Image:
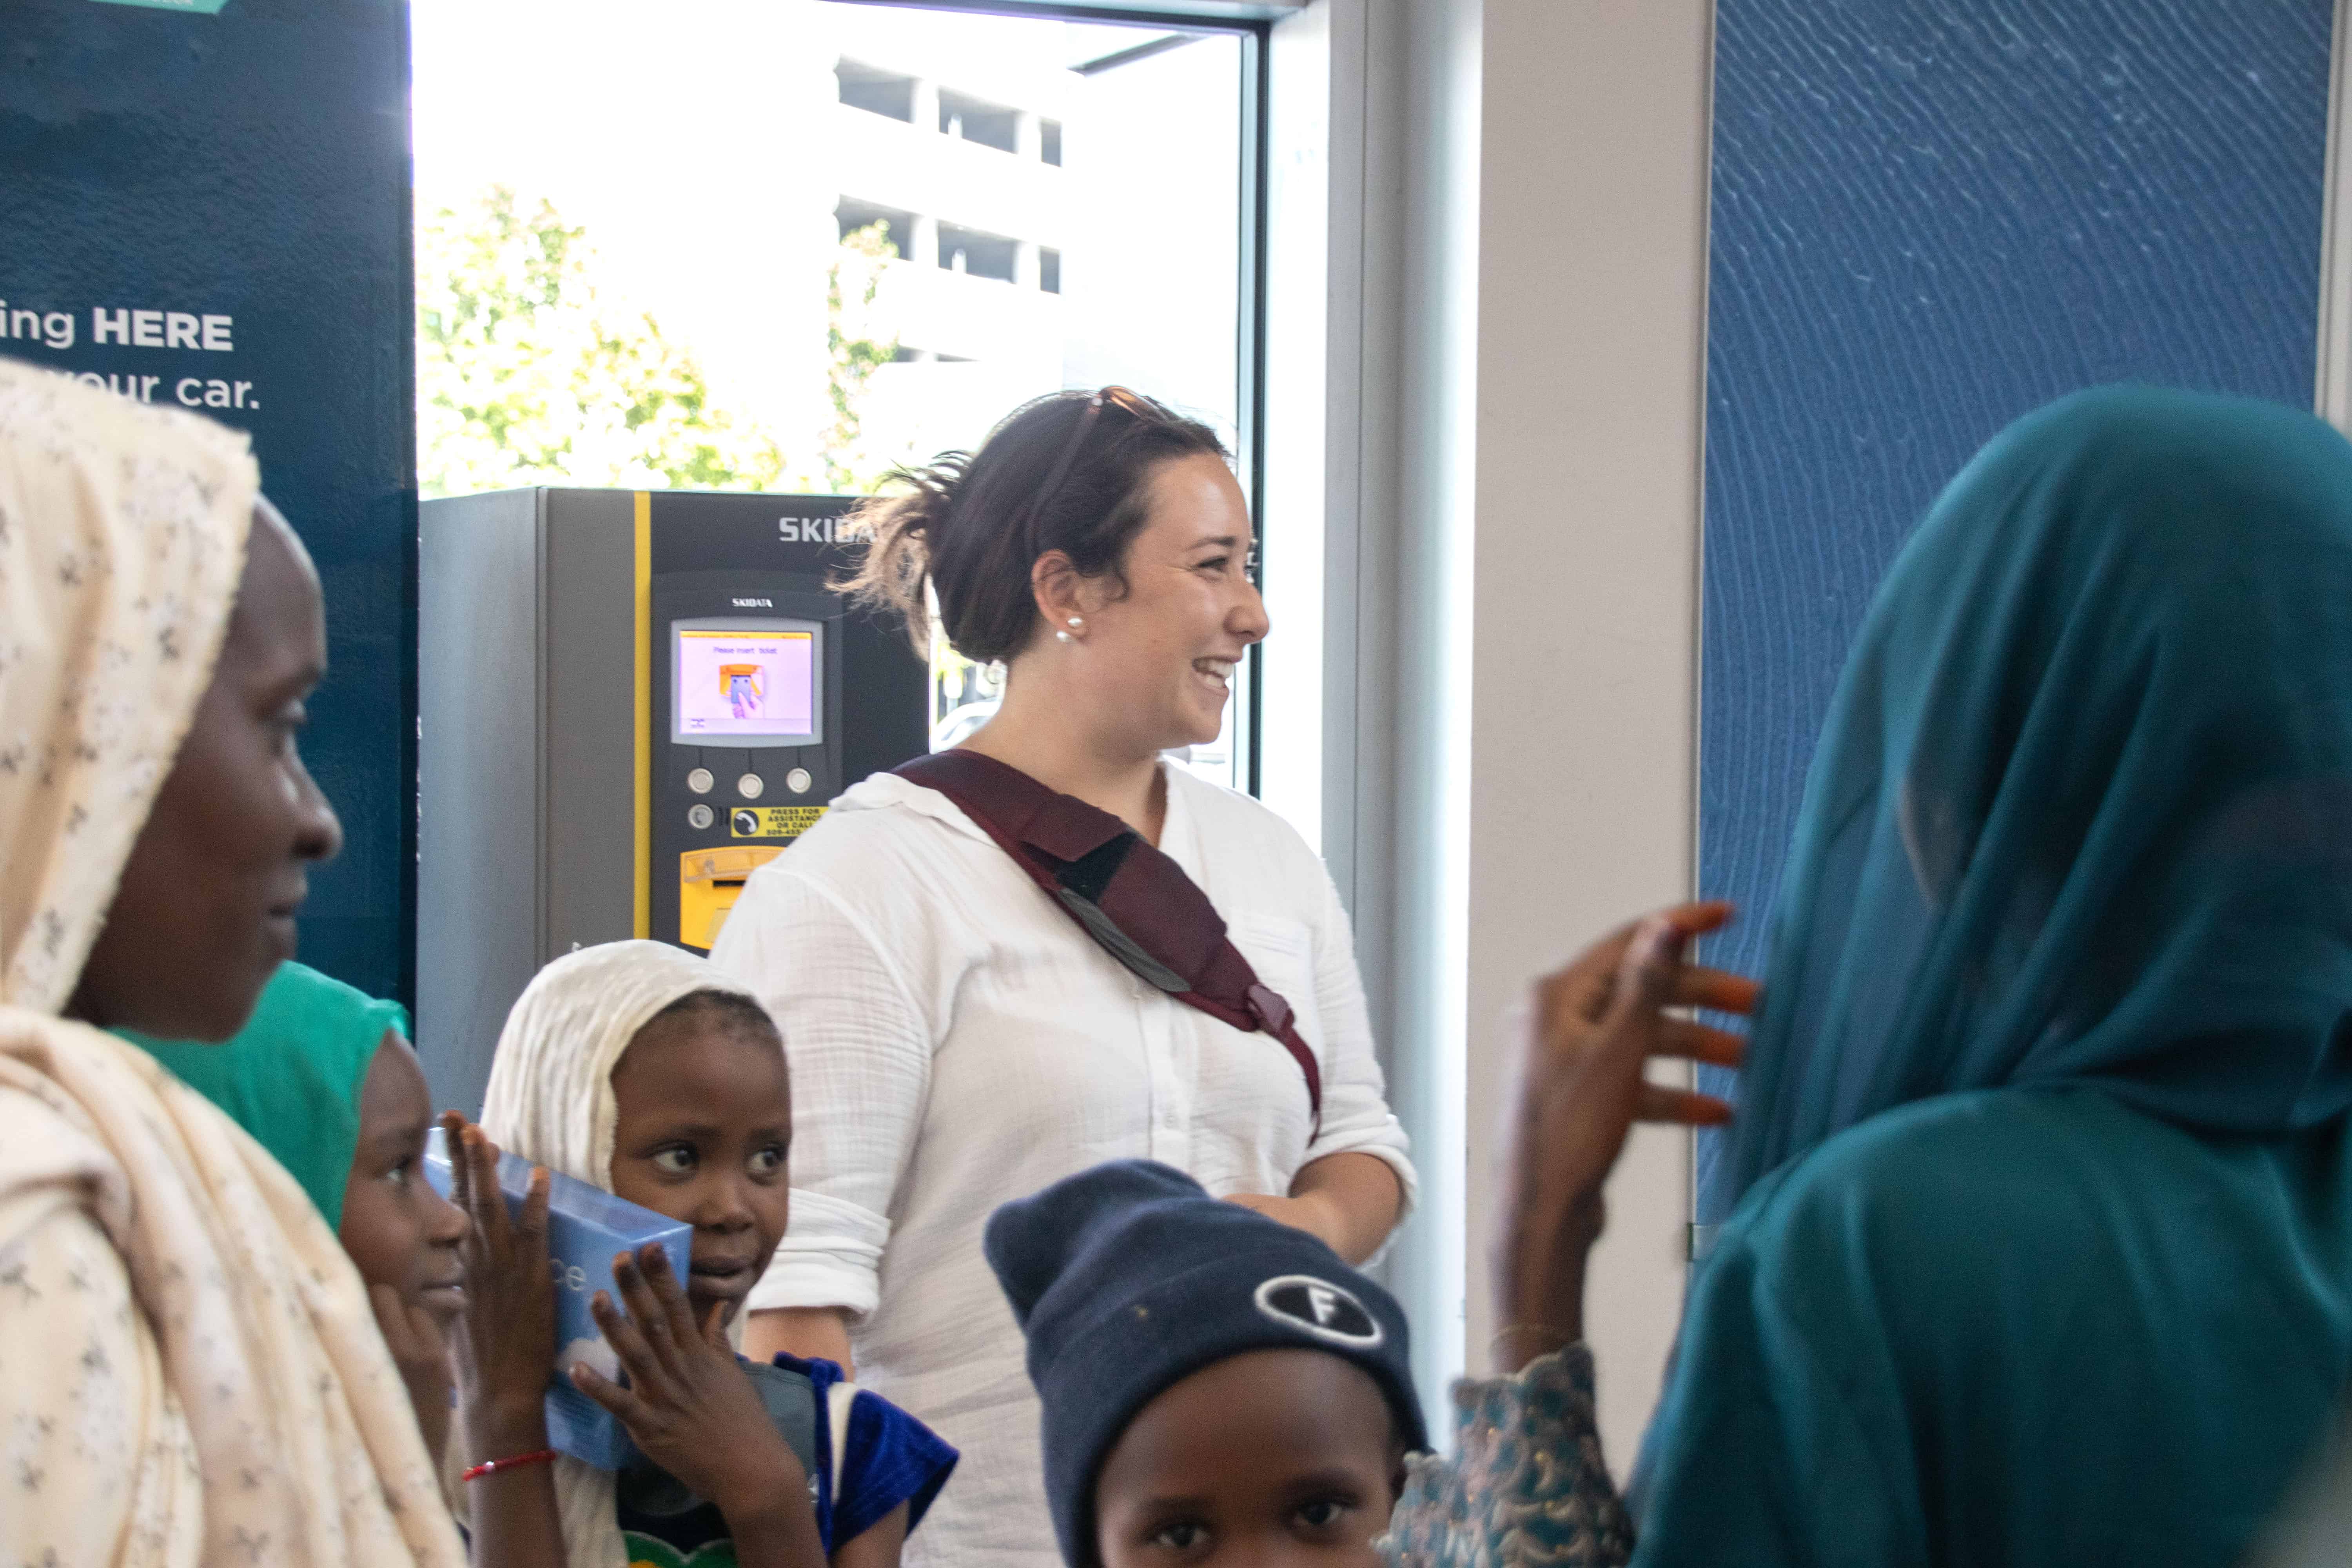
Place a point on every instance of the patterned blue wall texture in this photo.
(1927, 217)
(211, 211)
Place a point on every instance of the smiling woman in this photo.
(961, 1035)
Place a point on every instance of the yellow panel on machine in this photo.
(773, 821)
(708, 883)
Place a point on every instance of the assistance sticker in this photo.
(773, 821)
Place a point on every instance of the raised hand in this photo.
(505, 1341)
(1590, 1030)
(692, 1410)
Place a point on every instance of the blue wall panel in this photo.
(254, 165)
(1926, 219)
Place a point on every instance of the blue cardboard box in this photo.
(585, 1227)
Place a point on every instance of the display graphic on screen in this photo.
(734, 683)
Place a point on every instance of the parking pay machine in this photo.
(627, 702)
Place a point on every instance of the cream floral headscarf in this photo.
(193, 1370)
(104, 649)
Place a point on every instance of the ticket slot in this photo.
(708, 883)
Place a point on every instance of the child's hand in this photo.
(689, 1403)
(422, 1357)
(505, 1341)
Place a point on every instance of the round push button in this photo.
(699, 781)
(751, 786)
(798, 781)
(697, 817)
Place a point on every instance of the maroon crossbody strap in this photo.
(1133, 900)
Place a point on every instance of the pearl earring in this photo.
(1061, 637)
(1077, 620)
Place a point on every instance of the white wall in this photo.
(1515, 242)
(1591, 329)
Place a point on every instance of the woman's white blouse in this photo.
(957, 1041)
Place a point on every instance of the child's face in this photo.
(706, 1119)
(399, 1231)
(1271, 1456)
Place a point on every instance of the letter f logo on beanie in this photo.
(1129, 1277)
(1321, 1308)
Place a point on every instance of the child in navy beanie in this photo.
(1214, 1381)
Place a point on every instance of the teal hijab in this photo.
(2042, 1248)
(292, 1076)
(2081, 810)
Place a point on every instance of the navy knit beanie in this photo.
(1129, 1277)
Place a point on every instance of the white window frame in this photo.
(1488, 271)
(2332, 395)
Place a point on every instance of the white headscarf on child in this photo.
(194, 1368)
(551, 1100)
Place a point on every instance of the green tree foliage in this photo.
(853, 352)
(527, 374)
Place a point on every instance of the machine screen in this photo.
(746, 683)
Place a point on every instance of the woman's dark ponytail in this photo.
(899, 527)
(972, 525)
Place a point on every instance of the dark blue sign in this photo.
(211, 211)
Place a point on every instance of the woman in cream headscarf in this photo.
(193, 1370)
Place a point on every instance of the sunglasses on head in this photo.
(1134, 405)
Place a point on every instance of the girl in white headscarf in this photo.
(637, 1068)
(193, 1370)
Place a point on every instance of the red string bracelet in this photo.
(492, 1467)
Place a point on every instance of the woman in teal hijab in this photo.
(292, 1077)
(2041, 1250)
(2081, 812)
(322, 1076)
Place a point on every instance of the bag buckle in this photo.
(1271, 1013)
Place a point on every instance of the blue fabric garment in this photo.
(889, 1457)
(2082, 809)
(1524, 1483)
